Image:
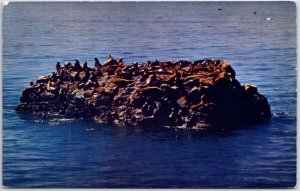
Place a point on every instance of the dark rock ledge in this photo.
(203, 94)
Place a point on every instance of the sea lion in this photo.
(155, 63)
(110, 69)
(83, 75)
(203, 78)
(174, 78)
(98, 73)
(184, 63)
(77, 65)
(198, 69)
(51, 86)
(224, 66)
(62, 91)
(100, 90)
(188, 78)
(31, 83)
(42, 79)
(124, 74)
(154, 80)
(206, 82)
(145, 74)
(110, 61)
(155, 68)
(164, 71)
(119, 70)
(68, 64)
(98, 66)
(135, 65)
(231, 72)
(250, 89)
(120, 62)
(53, 77)
(216, 72)
(88, 85)
(58, 82)
(221, 76)
(84, 66)
(146, 71)
(151, 79)
(121, 82)
(93, 77)
(167, 64)
(126, 68)
(80, 85)
(88, 93)
(199, 62)
(58, 67)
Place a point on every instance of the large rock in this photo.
(203, 94)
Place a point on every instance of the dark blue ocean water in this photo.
(77, 153)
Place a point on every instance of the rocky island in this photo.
(203, 94)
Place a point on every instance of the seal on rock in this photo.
(121, 82)
(98, 66)
(120, 62)
(77, 65)
(68, 64)
(250, 89)
(84, 66)
(58, 67)
(110, 61)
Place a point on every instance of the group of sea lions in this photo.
(184, 94)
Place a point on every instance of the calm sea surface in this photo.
(77, 153)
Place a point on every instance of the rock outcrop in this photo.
(203, 94)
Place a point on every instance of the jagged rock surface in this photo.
(202, 94)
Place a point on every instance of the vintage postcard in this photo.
(149, 94)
